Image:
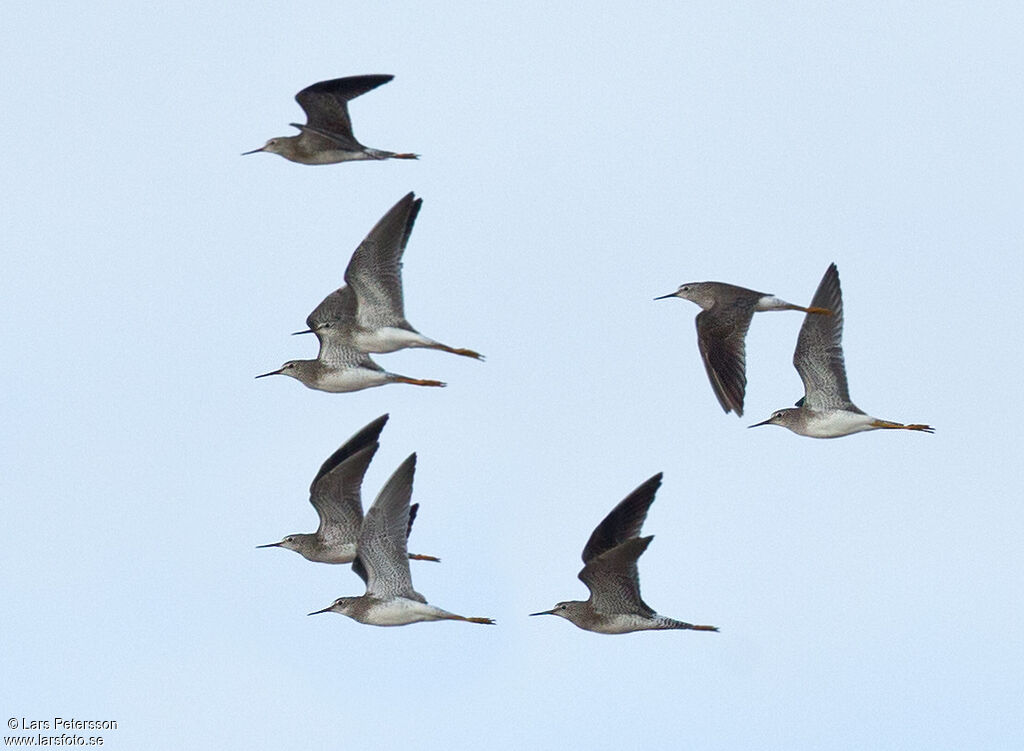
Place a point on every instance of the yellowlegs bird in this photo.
(374, 275)
(826, 411)
(336, 495)
(722, 330)
(339, 366)
(611, 575)
(383, 563)
(327, 138)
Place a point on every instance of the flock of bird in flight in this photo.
(367, 316)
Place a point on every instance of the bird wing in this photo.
(624, 521)
(721, 336)
(819, 350)
(382, 549)
(339, 306)
(375, 271)
(336, 490)
(326, 107)
(357, 565)
(332, 321)
(613, 579)
(336, 351)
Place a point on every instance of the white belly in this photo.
(351, 379)
(836, 424)
(389, 339)
(400, 611)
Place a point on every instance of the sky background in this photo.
(576, 162)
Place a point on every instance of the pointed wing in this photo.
(375, 271)
(337, 497)
(382, 549)
(357, 565)
(624, 521)
(613, 579)
(721, 335)
(819, 350)
(336, 490)
(326, 107)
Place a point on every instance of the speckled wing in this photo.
(613, 579)
(721, 336)
(357, 565)
(375, 271)
(336, 490)
(336, 316)
(382, 550)
(326, 107)
(819, 350)
(337, 307)
(622, 522)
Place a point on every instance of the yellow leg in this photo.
(488, 621)
(460, 351)
(704, 628)
(420, 382)
(421, 557)
(821, 311)
(900, 426)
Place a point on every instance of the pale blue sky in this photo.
(576, 162)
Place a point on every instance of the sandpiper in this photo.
(825, 411)
(327, 138)
(374, 275)
(336, 495)
(339, 366)
(383, 563)
(610, 573)
(722, 330)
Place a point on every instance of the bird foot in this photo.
(405, 156)
(461, 351)
(420, 382)
(900, 426)
(421, 557)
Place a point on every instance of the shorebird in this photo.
(339, 366)
(611, 575)
(336, 495)
(374, 275)
(825, 411)
(327, 138)
(722, 330)
(382, 562)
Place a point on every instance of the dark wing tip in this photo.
(412, 517)
(624, 521)
(366, 436)
(347, 87)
